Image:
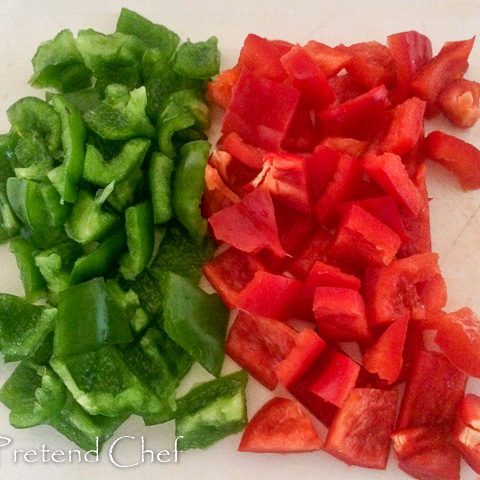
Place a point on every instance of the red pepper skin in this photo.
(321, 167)
(433, 392)
(340, 314)
(307, 76)
(249, 155)
(301, 135)
(219, 91)
(258, 344)
(360, 432)
(308, 347)
(362, 239)
(249, 225)
(346, 88)
(349, 146)
(406, 127)
(329, 59)
(388, 171)
(354, 118)
(260, 110)
(459, 100)
(269, 295)
(230, 272)
(410, 51)
(384, 357)
(450, 64)
(336, 379)
(460, 157)
(217, 195)
(280, 426)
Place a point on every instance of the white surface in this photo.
(454, 214)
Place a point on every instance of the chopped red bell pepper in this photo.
(247, 154)
(389, 172)
(217, 195)
(308, 347)
(433, 392)
(450, 63)
(280, 426)
(287, 181)
(384, 357)
(371, 64)
(282, 46)
(337, 377)
(258, 344)
(460, 157)
(345, 87)
(260, 110)
(340, 314)
(349, 146)
(249, 225)
(321, 167)
(459, 100)
(360, 432)
(307, 76)
(356, 117)
(427, 453)
(219, 91)
(262, 57)
(363, 239)
(270, 295)
(301, 136)
(230, 272)
(329, 59)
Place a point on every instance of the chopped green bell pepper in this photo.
(9, 226)
(212, 411)
(149, 293)
(198, 60)
(188, 186)
(159, 178)
(84, 100)
(124, 192)
(8, 143)
(196, 321)
(33, 156)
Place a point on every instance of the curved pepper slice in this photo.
(197, 60)
(33, 160)
(9, 226)
(159, 173)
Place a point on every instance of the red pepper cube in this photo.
(247, 154)
(392, 292)
(458, 336)
(371, 64)
(329, 59)
(280, 426)
(348, 146)
(217, 195)
(260, 110)
(360, 432)
(410, 51)
(336, 379)
(346, 88)
(302, 133)
(308, 347)
(261, 56)
(459, 100)
(306, 75)
(466, 430)
(258, 344)
(384, 357)
(363, 239)
(340, 314)
(230, 272)
(321, 167)
(433, 392)
(355, 117)
(219, 91)
(249, 225)
(389, 172)
(340, 188)
(269, 295)
(405, 128)
(450, 63)
(287, 181)
(426, 452)
(460, 157)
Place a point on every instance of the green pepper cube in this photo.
(33, 157)
(159, 178)
(9, 226)
(212, 411)
(198, 60)
(196, 321)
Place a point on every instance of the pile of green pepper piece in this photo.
(100, 191)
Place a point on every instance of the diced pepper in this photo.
(219, 91)
(211, 411)
(9, 226)
(460, 157)
(301, 135)
(340, 314)
(433, 392)
(140, 240)
(329, 59)
(280, 426)
(33, 160)
(349, 146)
(269, 295)
(188, 186)
(360, 432)
(459, 100)
(248, 154)
(217, 195)
(197, 60)
(159, 172)
(196, 321)
(345, 87)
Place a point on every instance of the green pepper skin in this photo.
(32, 279)
(196, 321)
(212, 411)
(9, 226)
(159, 178)
(140, 240)
(33, 157)
(198, 60)
(73, 139)
(188, 186)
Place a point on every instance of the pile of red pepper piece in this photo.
(316, 191)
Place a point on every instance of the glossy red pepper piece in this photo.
(219, 91)
(217, 195)
(349, 146)
(345, 87)
(329, 59)
(302, 133)
(249, 155)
